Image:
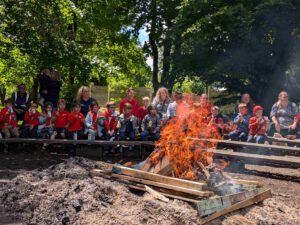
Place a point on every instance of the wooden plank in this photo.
(147, 165)
(67, 141)
(214, 204)
(166, 167)
(163, 185)
(158, 178)
(284, 140)
(142, 188)
(155, 194)
(249, 182)
(274, 148)
(250, 201)
(286, 161)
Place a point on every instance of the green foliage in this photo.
(81, 39)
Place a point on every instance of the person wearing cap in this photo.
(242, 122)
(257, 126)
(171, 111)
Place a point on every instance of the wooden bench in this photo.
(237, 145)
(295, 142)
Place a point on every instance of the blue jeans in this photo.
(260, 139)
(238, 135)
(154, 136)
(128, 133)
(80, 134)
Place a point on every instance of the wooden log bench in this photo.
(295, 142)
(264, 148)
(88, 147)
(247, 158)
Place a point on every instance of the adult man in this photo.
(21, 101)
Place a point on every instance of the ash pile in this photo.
(67, 194)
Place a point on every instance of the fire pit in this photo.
(182, 167)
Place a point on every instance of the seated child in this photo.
(257, 126)
(110, 121)
(128, 124)
(94, 121)
(151, 125)
(242, 122)
(216, 120)
(8, 120)
(60, 120)
(32, 122)
(76, 122)
(142, 112)
(46, 121)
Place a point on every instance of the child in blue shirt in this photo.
(242, 122)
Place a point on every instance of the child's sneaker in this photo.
(112, 139)
(53, 136)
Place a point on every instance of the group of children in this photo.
(133, 122)
(107, 125)
(250, 128)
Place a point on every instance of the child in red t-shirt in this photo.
(257, 126)
(76, 122)
(110, 121)
(32, 122)
(60, 120)
(143, 109)
(130, 99)
(8, 120)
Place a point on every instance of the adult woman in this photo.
(162, 101)
(21, 101)
(49, 86)
(245, 98)
(131, 100)
(283, 115)
(85, 99)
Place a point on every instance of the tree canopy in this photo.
(240, 45)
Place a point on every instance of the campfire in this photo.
(179, 148)
(182, 166)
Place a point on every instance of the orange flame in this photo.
(188, 156)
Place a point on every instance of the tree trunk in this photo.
(2, 93)
(176, 56)
(35, 87)
(73, 32)
(153, 45)
(166, 61)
